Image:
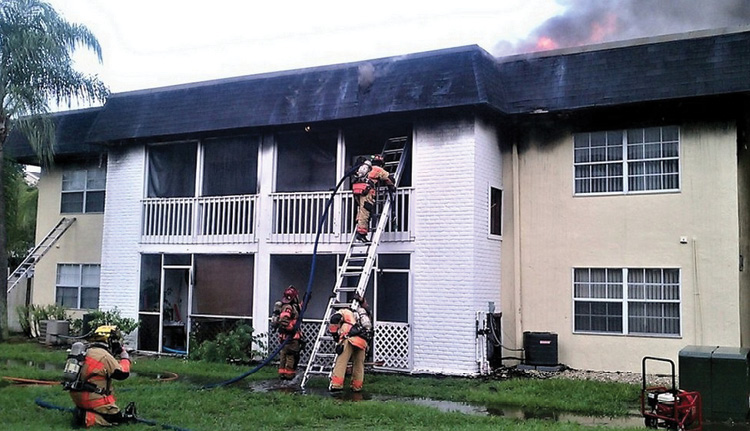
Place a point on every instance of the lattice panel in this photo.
(391, 345)
(310, 333)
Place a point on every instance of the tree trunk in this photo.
(4, 332)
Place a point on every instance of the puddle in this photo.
(47, 366)
(634, 419)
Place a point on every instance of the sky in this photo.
(156, 43)
(163, 42)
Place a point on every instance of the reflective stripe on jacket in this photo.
(349, 319)
(287, 320)
(99, 368)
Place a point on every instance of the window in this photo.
(83, 190)
(171, 170)
(230, 166)
(306, 161)
(77, 285)
(632, 301)
(635, 160)
(496, 211)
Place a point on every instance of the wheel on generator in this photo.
(651, 422)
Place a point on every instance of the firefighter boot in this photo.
(79, 418)
(361, 237)
(130, 414)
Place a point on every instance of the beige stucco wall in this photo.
(743, 166)
(82, 243)
(558, 232)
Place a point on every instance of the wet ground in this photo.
(633, 420)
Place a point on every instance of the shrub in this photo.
(111, 317)
(30, 316)
(234, 346)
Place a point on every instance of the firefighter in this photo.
(365, 190)
(288, 315)
(95, 400)
(351, 331)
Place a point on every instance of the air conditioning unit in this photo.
(540, 348)
(50, 329)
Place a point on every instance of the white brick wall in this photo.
(122, 227)
(456, 267)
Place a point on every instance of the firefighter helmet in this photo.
(377, 160)
(290, 295)
(105, 333)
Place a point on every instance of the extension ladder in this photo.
(354, 272)
(25, 268)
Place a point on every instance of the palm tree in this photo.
(36, 68)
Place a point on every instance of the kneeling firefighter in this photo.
(351, 330)
(88, 376)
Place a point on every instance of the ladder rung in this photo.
(360, 256)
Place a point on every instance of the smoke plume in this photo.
(587, 22)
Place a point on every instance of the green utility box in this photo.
(722, 376)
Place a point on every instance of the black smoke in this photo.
(587, 22)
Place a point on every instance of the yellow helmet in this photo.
(105, 333)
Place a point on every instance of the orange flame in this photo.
(545, 43)
(600, 30)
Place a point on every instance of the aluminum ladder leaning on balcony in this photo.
(354, 272)
(25, 268)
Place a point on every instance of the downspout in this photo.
(517, 247)
(698, 314)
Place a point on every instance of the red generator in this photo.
(670, 408)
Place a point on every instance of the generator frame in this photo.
(670, 408)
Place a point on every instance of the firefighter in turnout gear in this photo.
(365, 188)
(288, 315)
(93, 393)
(351, 330)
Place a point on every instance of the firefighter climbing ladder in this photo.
(354, 272)
(39, 251)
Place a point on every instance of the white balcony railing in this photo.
(202, 220)
(294, 219)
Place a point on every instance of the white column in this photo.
(263, 226)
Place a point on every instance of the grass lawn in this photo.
(181, 403)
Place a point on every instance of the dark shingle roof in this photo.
(457, 77)
(71, 128)
(435, 79)
(705, 66)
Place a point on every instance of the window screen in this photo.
(171, 170)
(306, 161)
(223, 285)
(230, 166)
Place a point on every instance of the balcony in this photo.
(202, 220)
(234, 219)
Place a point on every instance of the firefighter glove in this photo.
(116, 347)
(339, 349)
